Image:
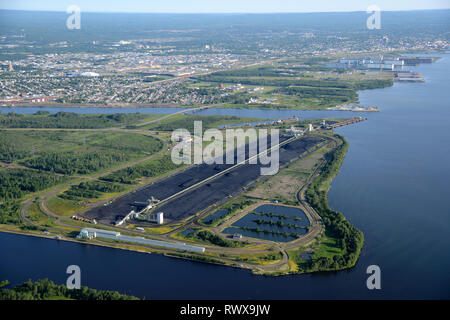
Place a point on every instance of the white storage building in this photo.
(90, 233)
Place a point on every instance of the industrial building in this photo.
(381, 66)
(379, 63)
(395, 62)
(144, 206)
(236, 236)
(90, 233)
(157, 217)
(295, 131)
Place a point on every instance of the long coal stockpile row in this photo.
(199, 198)
(206, 195)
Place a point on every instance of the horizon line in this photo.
(224, 13)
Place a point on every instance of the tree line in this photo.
(350, 239)
(15, 183)
(207, 236)
(48, 290)
(66, 120)
(75, 163)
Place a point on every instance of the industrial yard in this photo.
(224, 151)
(149, 204)
(201, 197)
(139, 195)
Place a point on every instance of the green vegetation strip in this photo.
(206, 236)
(187, 122)
(15, 184)
(48, 290)
(91, 190)
(67, 120)
(349, 240)
(74, 152)
(152, 168)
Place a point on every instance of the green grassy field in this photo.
(74, 152)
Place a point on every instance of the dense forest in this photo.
(15, 183)
(47, 290)
(9, 212)
(67, 120)
(10, 149)
(327, 95)
(72, 162)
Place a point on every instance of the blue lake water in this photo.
(90, 110)
(289, 212)
(188, 232)
(393, 185)
(215, 215)
(293, 221)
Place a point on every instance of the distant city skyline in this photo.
(217, 6)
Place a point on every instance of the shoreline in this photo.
(150, 250)
(43, 236)
(175, 255)
(255, 269)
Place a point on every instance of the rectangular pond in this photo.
(216, 215)
(272, 222)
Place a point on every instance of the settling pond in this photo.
(272, 222)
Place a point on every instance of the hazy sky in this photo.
(225, 6)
